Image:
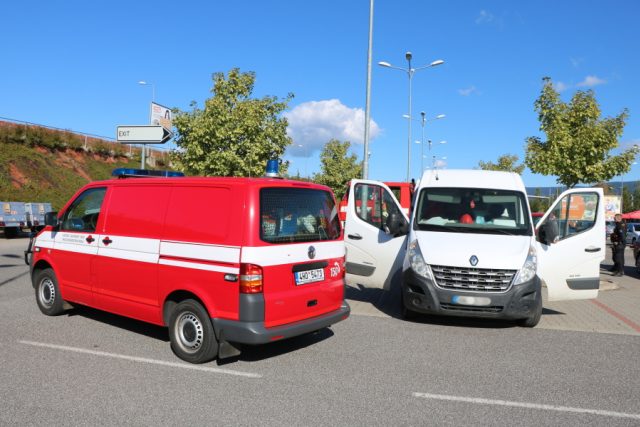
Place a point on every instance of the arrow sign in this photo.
(143, 134)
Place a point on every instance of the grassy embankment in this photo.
(43, 165)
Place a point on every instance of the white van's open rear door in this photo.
(570, 267)
(374, 257)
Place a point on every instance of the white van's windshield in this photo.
(292, 215)
(474, 210)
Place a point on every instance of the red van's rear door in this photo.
(301, 254)
(304, 287)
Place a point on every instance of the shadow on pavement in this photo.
(250, 353)
(131, 325)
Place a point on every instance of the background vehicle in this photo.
(12, 218)
(536, 216)
(35, 214)
(633, 232)
(636, 254)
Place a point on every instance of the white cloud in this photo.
(312, 124)
(484, 17)
(576, 62)
(441, 164)
(591, 81)
(560, 86)
(468, 91)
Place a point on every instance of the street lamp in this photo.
(143, 158)
(410, 72)
(153, 89)
(435, 161)
(423, 121)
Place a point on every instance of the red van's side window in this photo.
(137, 211)
(199, 214)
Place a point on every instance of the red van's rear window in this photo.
(290, 215)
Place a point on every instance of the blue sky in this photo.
(76, 64)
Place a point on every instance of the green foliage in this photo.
(506, 162)
(579, 142)
(635, 200)
(338, 167)
(234, 135)
(538, 203)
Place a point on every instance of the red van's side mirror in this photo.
(51, 218)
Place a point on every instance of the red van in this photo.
(216, 260)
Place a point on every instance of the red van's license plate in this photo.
(309, 276)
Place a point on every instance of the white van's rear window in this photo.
(289, 215)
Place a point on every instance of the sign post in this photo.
(143, 134)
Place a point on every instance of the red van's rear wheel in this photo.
(191, 333)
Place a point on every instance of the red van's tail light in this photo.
(250, 279)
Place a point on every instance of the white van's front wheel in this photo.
(191, 333)
(534, 319)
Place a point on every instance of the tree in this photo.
(579, 142)
(506, 162)
(234, 135)
(337, 167)
(539, 203)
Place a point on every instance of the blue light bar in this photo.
(272, 168)
(143, 173)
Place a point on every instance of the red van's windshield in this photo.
(289, 215)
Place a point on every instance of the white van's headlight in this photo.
(528, 270)
(416, 260)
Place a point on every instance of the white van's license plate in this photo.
(309, 276)
(464, 300)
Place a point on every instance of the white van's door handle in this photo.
(354, 236)
(592, 249)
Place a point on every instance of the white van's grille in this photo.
(472, 279)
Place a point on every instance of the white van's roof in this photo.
(472, 178)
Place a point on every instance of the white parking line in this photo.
(143, 360)
(480, 401)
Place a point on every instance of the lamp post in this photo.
(143, 157)
(422, 151)
(410, 72)
(423, 121)
(622, 187)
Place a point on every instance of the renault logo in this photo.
(312, 252)
(473, 260)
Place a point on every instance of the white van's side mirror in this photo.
(396, 225)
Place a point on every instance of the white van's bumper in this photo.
(421, 295)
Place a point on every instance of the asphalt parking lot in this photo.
(578, 367)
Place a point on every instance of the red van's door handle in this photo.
(90, 239)
(106, 241)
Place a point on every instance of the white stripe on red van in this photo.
(291, 253)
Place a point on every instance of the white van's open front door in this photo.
(571, 244)
(374, 256)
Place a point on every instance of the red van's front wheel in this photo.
(48, 295)
(191, 333)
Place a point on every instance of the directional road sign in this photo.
(143, 134)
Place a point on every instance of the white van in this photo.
(470, 247)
